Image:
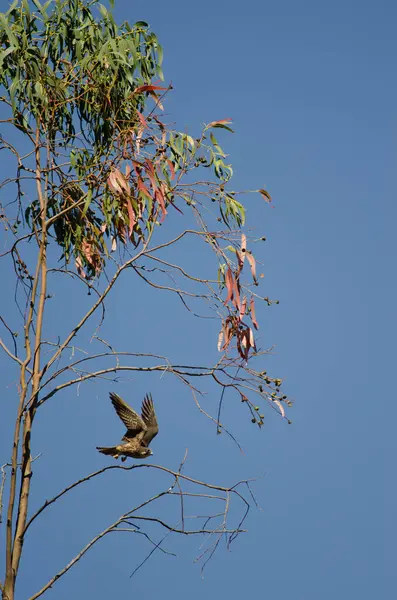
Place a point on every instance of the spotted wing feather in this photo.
(134, 423)
(149, 417)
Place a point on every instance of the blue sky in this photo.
(312, 92)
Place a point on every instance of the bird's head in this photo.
(145, 452)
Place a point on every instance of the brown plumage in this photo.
(140, 429)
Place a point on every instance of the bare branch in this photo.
(10, 354)
(94, 307)
(180, 292)
(144, 534)
(12, 334)
(176, 474)
(157, 546)
(179, 268)
(131, 515)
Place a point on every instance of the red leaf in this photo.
(229, 280)
(131, 216)
(142, 187)
(117, 182)
(243, 244)
(159, 195)
(151, 174)
(227, 333)
(241, 254)
(113, 183)
(87, 251)
(252, 339)
(252, 263)
(265, 195)
(142, 120)
(172, 168)
(243, 308)
(253, 317)
(222, 123)
(239, 347)
(243, 343)
(236, 294)
(148, 88)
(79, 267)
(228, 336)
(137, 166)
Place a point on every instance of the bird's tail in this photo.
(111, 451)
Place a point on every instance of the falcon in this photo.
(140, 429)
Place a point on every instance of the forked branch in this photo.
(127, 521)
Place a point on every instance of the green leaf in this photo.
(5, 53)
(39, 90)
(159, 54)
(37, 5)
(159, 73)
(191, 141)
(13, 5)
(87, 202)
(5, 25)
(103, 10)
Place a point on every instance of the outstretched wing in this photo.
(149, 417)
(130, 418)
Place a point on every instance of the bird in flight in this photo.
(140, 429)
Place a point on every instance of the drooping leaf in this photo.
(172, 168)
(229, 280)
(156, 99)
(243, 308)
(252, 339)
(243, 246)
(253, 317)
(281, 407)
(80, 268)
(131, 216)
(265, 195)
(223, 123)
(252, 263)
(236, 294)
(117, 182)
(148, 88)
(142, 187)
(220, 340)
(159, 194)
(142, 120)
(241, 253)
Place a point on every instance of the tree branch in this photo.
(10, 354)
(94, 307)
(130, 515)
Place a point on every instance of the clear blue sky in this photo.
(312, 92)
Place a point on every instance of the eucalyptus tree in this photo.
(97, 171)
